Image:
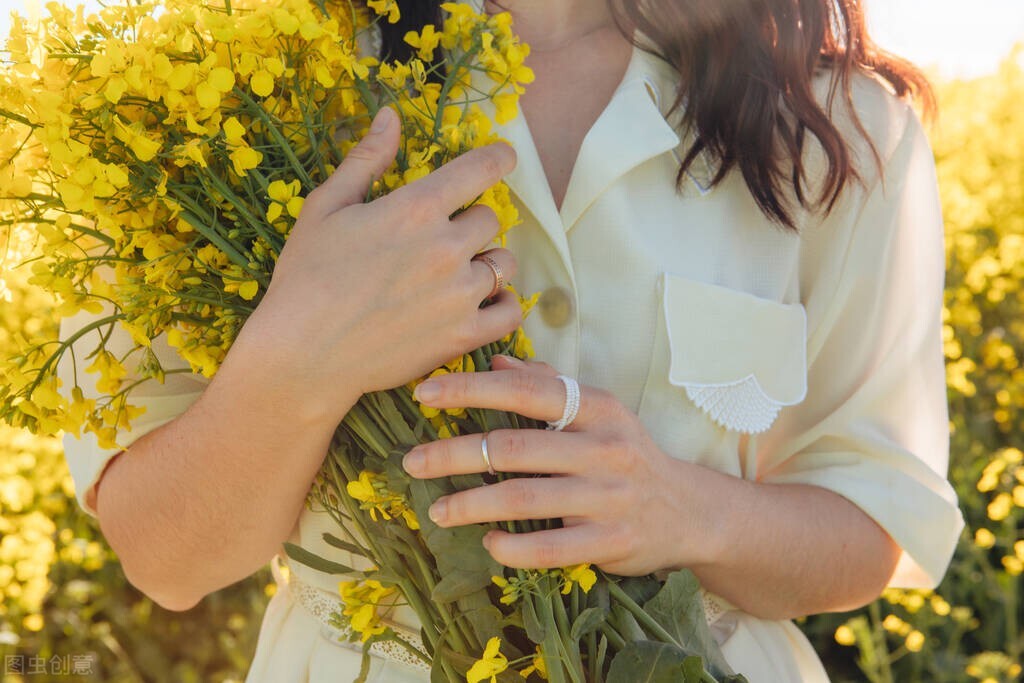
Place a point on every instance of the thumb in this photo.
(365, 162)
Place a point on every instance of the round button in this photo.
(555, 306)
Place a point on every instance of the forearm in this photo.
(208, 498)
(784, 551)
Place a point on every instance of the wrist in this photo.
(708, 501)
(266, 362)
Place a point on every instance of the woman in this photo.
(739, 250)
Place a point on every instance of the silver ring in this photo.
(486, 455)
(499, 276)
(572, 404)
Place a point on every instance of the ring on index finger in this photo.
(499, 275)
(572, 404)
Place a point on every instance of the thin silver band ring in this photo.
(486, 455)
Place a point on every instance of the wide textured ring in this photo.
(572, 404)
(499, 276)
(486, 455)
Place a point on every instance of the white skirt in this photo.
(295, 646)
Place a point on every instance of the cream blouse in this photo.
(818, 351)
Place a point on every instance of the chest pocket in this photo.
(721, 358)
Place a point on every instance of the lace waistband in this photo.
(322, 604)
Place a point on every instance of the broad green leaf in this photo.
(679, 609)
(646, 661)
(459, 584)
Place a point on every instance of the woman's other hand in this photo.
(368, 296)
(624, 502)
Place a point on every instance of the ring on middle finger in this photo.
(499, 275)
(486, 455)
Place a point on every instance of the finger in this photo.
(551, 548)
(487, 277)
(525, 451)
(496, 320)
(503, 362)
(527, 393)
(476, 227)
(516, 499)
(351, 181)
(461, 180)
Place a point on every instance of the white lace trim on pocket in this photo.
(739, 357)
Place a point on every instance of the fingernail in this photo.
(487, 540)
(382, 120)
(414, 462)
(438, 512)
(426, 391)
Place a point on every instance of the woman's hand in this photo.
(368, 296)
(626, 505)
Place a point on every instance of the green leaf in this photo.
(486, 620)
(341, 544)
(588, 621)
(313, 560)
(646, 661)
(400, 428)
(602, 654)
(531, 622)
(626, 624)
(459, 584)
(679, 609)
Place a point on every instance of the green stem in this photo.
(883, 674)
(257, 223)
(613, 636)
(645, 619)
(282, 142)
(571, 655)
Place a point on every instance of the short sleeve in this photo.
(163, 402)
(874, 425)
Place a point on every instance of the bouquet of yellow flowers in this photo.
(159, 154)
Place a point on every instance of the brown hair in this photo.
(746, 69)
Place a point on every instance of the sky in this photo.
(958, 37)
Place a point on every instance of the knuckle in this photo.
(442, 458)
(417, 206)
(519, 495)
(547, 554)
(621, 541)
(458, 509)
(611, 444)
(491, 165)
(511, 446)
(315, 197)
(523, 383)
(487, 217)
(446, 254)
(466, 335)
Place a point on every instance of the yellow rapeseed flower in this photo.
(581, 574)
(914, 641)
(845, 636)
(1000, 507)
(385, 8)
(537, 665)
(490, 664)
